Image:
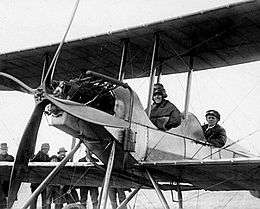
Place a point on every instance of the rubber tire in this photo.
(74, 206)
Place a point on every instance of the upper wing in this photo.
(228, 174)
(215, 38)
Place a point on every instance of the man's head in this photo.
(62, 152)
(159, 93)
(3, 148)
(212, 117)
(54, 158)
(45, 148)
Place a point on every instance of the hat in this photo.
(3, 146)
(53, 157)
(62, 149)
(159, 89)
(214, 113)
(45, 146)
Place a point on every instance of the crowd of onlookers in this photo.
(57, 194)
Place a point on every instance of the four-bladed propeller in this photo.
(27, 144)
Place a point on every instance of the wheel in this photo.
(74, 206)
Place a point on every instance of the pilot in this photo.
(213, 132)
(164, 115)
(41, 156)
(84, 189)
(4, 184)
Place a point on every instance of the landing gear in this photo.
(74, 206)
(51, 176)
(180, 201)
(104, 194)
(158, 191)
(131, 195)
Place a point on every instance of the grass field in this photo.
(192, 200)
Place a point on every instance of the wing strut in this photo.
(103, 202)
(121, 74)
(52, 174)
(188, 88)
(152, 73)
(158, 191)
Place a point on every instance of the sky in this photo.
(233, 91)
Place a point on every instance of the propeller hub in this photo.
(39, 95)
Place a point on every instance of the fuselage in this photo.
(184, 142)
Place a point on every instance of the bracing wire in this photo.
(230, 199)
(207, 188)
(233, 143)
(240, 102)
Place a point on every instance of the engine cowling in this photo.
(255, 193)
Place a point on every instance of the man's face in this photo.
(62, 154)
(157, 98)
(3, 151)
(45, 150)
(212, 120)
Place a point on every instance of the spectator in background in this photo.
(85, 189)
(69, 193)
(41, 156)
(115, 193)
(4, 184)
(53, 192)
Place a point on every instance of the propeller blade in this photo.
(87, 113)
(50, 72)
(25, 151)
(9, 82)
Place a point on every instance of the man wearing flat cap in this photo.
(213, 132)
(4, 184)
(4, 156)
(41, 156)
(164, 115)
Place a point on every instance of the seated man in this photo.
(164, 114)
(213, 132)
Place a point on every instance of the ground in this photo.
(192, 200)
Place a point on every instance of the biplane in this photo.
(90, 73)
